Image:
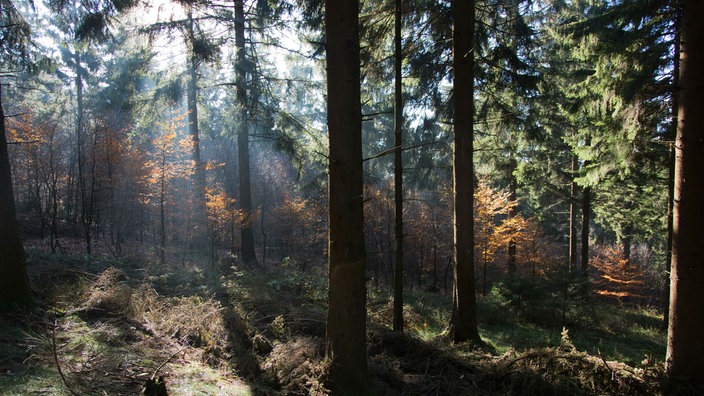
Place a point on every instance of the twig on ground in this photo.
(56, 360)
(166, 361)
(613, 375)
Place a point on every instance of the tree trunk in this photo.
(346, 320)
(464, 321)
(90, 216)
(246, 231)
(512, 197)
(54, 191)
(398, 172)
(572, 254)
(586, 214)
(672, 135)
(626, 244)
(14, 282)
(685, 344)
(162, 211)
(200, 221)
(80, 161)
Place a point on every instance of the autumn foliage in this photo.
(495, 229)
(616, 277)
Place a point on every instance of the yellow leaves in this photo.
(608, 293)
(164, 141)
(612, 279)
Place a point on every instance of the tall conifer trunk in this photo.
(200, 216)
(80, 161)
(464, 318)
(346, 320)
(398, 171)
(685, 340)
(672, 135)
(14, 282)
(586, 214)
(246, 227)
(512, 197)
(572, 254)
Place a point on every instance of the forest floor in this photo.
(104, 326)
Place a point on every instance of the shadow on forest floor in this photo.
(111, 325)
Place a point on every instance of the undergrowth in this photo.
(112, 325)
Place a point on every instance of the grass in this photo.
(195, 378)
(41, 380)
(110, 331)
(624, 333)
(261, 331)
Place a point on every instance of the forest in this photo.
(351, 197)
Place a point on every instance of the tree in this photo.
(162, 167)
(489, 235)
(464, 321)
(398, 171)
(665, 303)
(245, 201)
(81, 59)
(14, 56)
(685, 344)
(506, 82)
(14, 283)
(346, 320)
(198, 50)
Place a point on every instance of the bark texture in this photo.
(464, 321)
(246, 228)
(346, 321)
(200, 216)
(398, 172)
(14, 282)
(685, 340)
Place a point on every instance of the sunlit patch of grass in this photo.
(518, 336)
(624, 333)
(195, 378)
(40, 380)
(430, 314)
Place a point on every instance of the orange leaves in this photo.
(21, 129)
(616, 277)
(490, 231)
(494, 229)
(293, 206)
(165, 162)
(295, 210)
(212, 165)
(221, 209)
